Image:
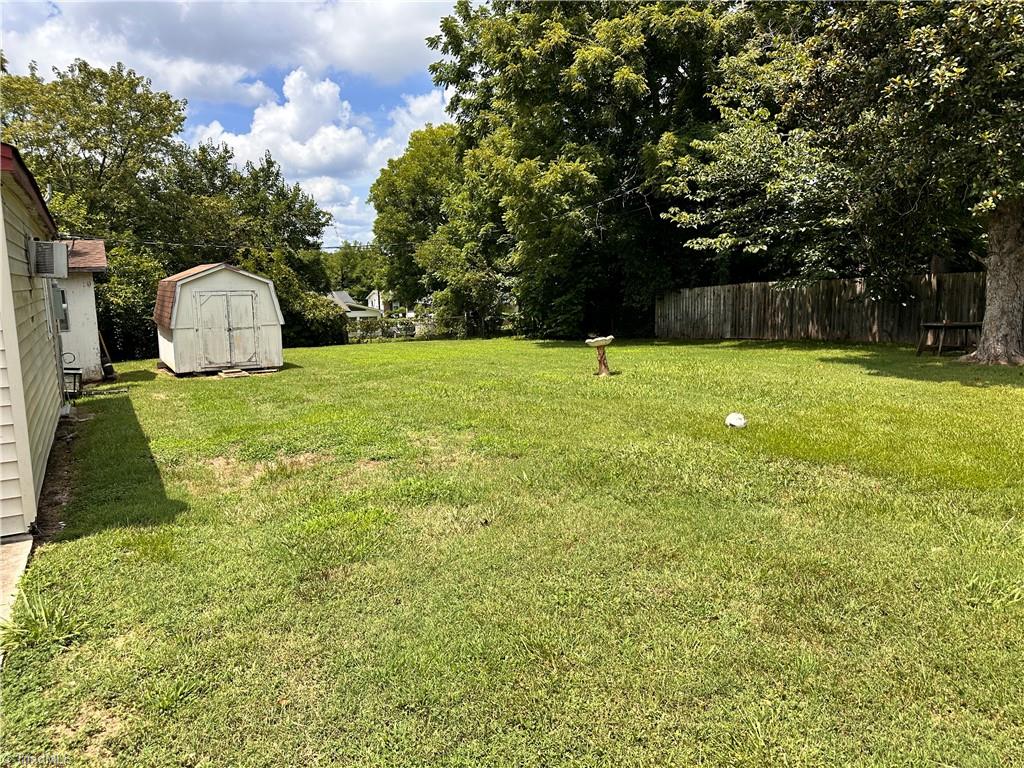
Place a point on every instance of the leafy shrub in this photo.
(365, 328)
(311, 320)
(124, 302)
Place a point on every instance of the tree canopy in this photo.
(97, 136)
(409, 195)
(358, 268)
(604, 152)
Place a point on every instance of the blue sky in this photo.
(332, 89)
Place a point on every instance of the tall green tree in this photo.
(575, 99)
(356, 267)
(469, 255)
(94, 135)
(757, 193)
(272, 212)
(409, 195)
(124, 300)
(924, 101)
(189, 204)
(877, 140)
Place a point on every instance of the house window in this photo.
(62, 316)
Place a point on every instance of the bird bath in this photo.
(599, 343)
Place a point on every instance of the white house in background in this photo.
(352, 308)
(378, 300)
(79, 330)
(31, 389)
(216, 316)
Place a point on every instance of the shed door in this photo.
(242, 328)
(227, 328)
(214, 345)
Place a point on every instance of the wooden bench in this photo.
(942, 327)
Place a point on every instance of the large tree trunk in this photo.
(1002, 334)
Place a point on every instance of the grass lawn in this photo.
(477, 553)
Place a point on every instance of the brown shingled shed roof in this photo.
(165, 291)
(86, 255)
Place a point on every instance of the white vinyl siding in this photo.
(10, 483)
(32, 379)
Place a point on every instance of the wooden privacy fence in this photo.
(827, 310)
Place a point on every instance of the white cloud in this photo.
(416, 112)
(311, 133)
(214, 50)
(353, 218)
(320, 143)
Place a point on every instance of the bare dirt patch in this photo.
(58, 483)
(92, 732)
(447, 452)
(229, 473)
(368, 466)
(300, 461)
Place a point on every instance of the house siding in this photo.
(31, 368)
(82, 339)
(10, 483)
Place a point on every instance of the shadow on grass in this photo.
(115, 482)
(144, 374)
(904, 364)
(888, 360)
(893, 361)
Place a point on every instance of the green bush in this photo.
(366, 328)
(311, 320)
(124, 302)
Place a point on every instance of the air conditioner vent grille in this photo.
(49, 258)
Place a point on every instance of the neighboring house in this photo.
(351, 307)
(79, 330)
(216, 316)
(31, 377)
(378, 300)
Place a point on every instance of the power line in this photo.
(228, 246)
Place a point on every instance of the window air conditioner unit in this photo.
(48, 258)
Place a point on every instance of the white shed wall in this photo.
(82, 339)
(165, 343)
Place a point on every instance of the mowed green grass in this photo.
(477, 553)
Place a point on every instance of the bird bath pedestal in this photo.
(599, 344)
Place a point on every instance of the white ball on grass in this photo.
(737, 420)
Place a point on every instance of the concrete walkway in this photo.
(13, 559)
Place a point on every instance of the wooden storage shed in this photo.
(216, 316)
